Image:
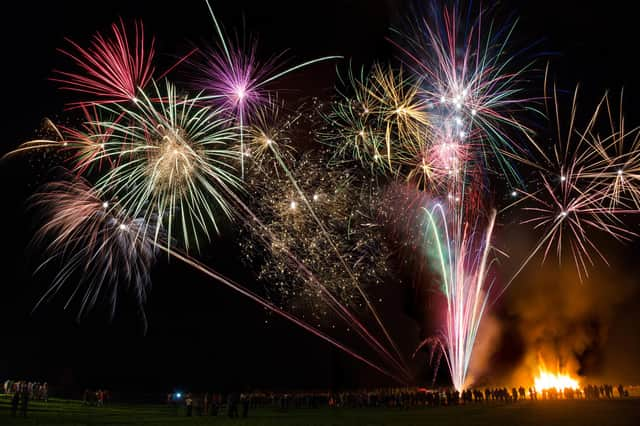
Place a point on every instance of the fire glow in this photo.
(547, 380)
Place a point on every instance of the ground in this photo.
(548, 413)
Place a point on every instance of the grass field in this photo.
(565, 413)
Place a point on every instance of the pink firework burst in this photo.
(234, 78)
(111, 69)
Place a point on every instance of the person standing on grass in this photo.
(25, 400)
(14, 403)
(232, 405)
(189, 402)
(245, 400)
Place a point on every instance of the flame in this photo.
(559, 381)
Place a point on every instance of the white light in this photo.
(240, 93)
(376, 157)
(105, 205)
(316, 197)
(463, 134)
(474, 112)
(458, 121)
(619, 172)
(178, 395)
(514, 193)
(136, 100)
(269, 141)
(122, 227)
(293, 205)
(101, 146)
(443, 99)
(65, 144)
(458, 105)
(361, 133)
(464, 92)
(366, 110)
(563, 178)
(563, 213)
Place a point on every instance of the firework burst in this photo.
(469, 80)
(584, 188)
(379, 120)
(100, 248)
(233, 77)
(173, 160)
(112, 69)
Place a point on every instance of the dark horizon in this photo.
(201, 335)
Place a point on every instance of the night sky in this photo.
(202, 335)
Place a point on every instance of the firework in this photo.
(377, 120)
(346, 210)
(173, 161)
(460, 252)
(99, 247)
(438, 130)
(585, 189)
(270, 136)
(470, 81)
(315, 228)
(233, 77)
(111, 69)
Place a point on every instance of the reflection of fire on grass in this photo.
(547, 380)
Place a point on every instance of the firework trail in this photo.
(460, 252)
(273, 308)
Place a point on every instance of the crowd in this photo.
(22, 392)
(213, 404)
(35, 390)
(96, 398)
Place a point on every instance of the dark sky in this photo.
(201, 334)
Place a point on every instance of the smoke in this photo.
(549, 317)
(487, 339)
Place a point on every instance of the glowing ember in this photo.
(558, 381)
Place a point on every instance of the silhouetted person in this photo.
(15, 400)
(189, 402)
(24, 403)
(232, 405)
(215, 404)
(244, 400)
